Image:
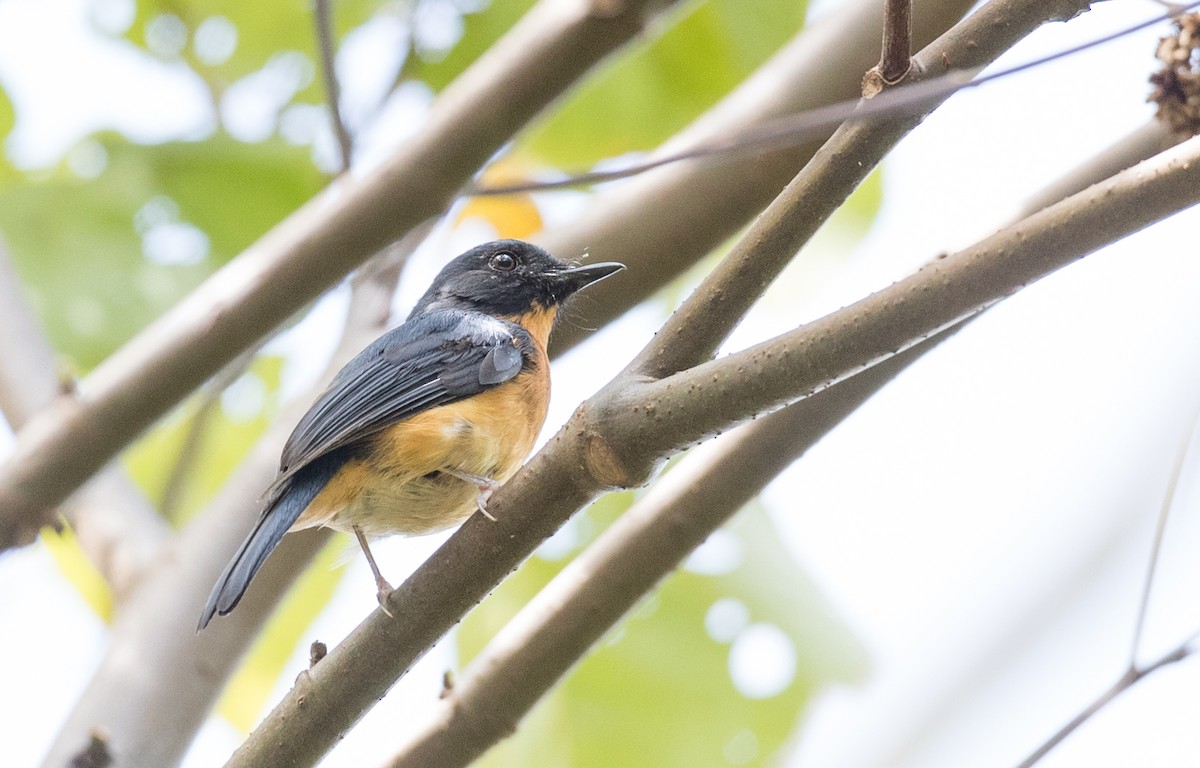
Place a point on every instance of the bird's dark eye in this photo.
(503, 262)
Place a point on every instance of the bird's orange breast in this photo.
(399, 483)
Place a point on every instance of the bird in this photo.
(418, 430)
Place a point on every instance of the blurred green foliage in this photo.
(105, 248)
(86, 248)
(263, 30)
(222, 440)
(650, 92)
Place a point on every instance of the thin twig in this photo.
(1159, 531)
(804, 126)
(323, 22)
(1132, 677)
(896, 58)
(1135, 673)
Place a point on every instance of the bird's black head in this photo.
(509, 278)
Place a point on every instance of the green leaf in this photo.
(659, 86)
(658, 690)
(263, 29)
(81, 245)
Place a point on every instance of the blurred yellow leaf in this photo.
(514, 216)
(79, 571)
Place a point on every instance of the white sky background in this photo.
(982, 524)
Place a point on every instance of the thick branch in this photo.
(555, 630)
(542, 56)
(590, 595)
(698, 328)
(619, 437)
(713, 396)
(663, 222)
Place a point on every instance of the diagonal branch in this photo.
(712, 396)
(543, 55)
(620, 436)
(663, 222)
(1130, 678)
(551, 633)
(1135, 672)
(556, 629)
(698, 328)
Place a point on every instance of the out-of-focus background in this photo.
(944, 580)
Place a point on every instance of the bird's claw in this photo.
(482, 499)
(385, 591)
(486, 485)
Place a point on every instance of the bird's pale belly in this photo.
(401, 484)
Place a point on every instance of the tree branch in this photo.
(323, 24)
(1132, 677)
(895, 60)
(1135, 672)
(620, 436)
(552, 46)
(712, 396)
(663, 222)
(554, 630)
(701, 324)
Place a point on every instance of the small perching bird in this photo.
(421, 426)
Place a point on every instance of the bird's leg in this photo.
(385, 589)
(486, 485)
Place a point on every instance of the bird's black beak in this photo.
(577, 278)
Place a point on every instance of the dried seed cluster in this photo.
(1177, 84)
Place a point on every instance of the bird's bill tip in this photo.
(581, 277)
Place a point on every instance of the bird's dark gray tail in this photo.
(275, 521)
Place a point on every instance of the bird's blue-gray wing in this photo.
(433, 359)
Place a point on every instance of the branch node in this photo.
(96, 754)
(603, 463)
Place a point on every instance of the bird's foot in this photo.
(385, 591)
(486, 485)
